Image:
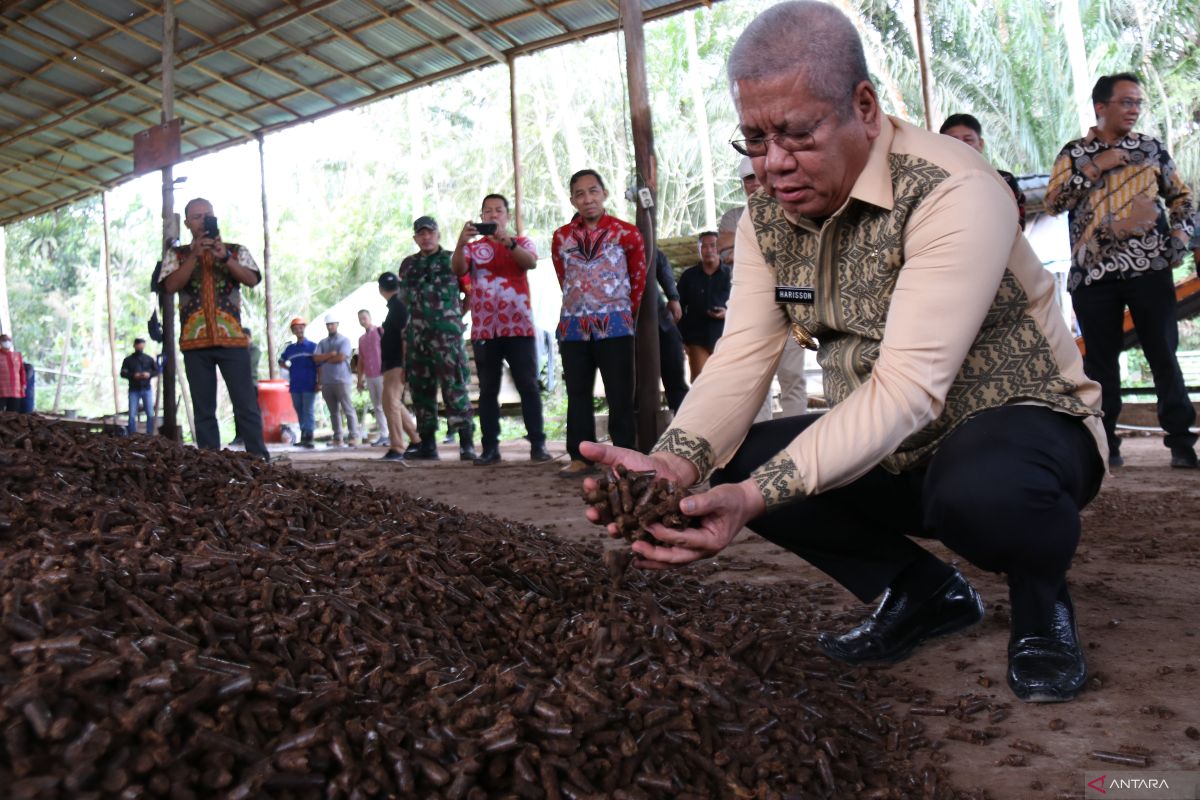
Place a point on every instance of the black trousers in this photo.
(234, 362)
(521, 354)
(580, 360)
(11, 404)
(670, 359)
(1003, 490)
(1100, 309)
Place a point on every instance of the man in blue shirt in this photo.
(302, 378)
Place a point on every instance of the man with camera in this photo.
(208, 274)
(501, 322)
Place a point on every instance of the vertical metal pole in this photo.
(515, 124)
(170, 427)
(108, 291)
(269, 305)
(649, 399)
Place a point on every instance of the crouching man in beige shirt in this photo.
(960, 410)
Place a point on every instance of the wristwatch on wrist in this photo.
(228, 255)
(512, 244)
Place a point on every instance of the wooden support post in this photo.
(515, 124)
(923, 57)
(170, 426)
(649, 399)
(108, 291)
(269, 306)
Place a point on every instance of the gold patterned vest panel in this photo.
(853, 265)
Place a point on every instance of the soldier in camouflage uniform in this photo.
(434, 342)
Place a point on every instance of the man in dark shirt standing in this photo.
(139, 369)
(670, 343)
(703, 292)
(391, 360)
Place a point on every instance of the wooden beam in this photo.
(108, 296)
(649, 370)
(462, 30)
(166, 301)
(269, 305)
(923, 58)
(515, 127)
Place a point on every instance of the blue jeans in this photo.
(141, 400)
(303, 403)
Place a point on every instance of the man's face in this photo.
(709, 255)
(1121, 112)
(588, 196)
(494, 211)
(364, 319)
(194, 219)
(331, 328)
(139, 347)
(966, 136)
(427, 240)
(816, 181)
(298, 331)
(5, 343)
(750, 184)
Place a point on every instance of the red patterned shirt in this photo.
(499, 290)
(12, 374)
(602, 272)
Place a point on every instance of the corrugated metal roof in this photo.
(78, 78)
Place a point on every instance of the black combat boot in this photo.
(466, 447)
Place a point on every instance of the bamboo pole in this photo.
(108, 291)
(514, 124)
(649, 399)
(268, 303)
(926, 73)
(170, 426)
(5, 323)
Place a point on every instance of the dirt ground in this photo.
(1136, 585)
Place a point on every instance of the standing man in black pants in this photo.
(1130, 217)
(501, 323)
(670, 342)
(960, 410)
(208, 274)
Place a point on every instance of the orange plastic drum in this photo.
(276, 405)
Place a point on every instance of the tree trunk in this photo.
(416, 182)
(546, 139)
(695, 83)
(62, 369)
(268, 304)
(1081, 80)
(185, 390)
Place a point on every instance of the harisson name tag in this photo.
(794, 294)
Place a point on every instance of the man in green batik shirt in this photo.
(434, 349)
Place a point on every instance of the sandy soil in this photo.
(1136, 584)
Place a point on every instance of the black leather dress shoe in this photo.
(1048, 667)
(901, 622)
(538, 452)
(489, 456)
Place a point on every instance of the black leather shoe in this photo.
(467, 453)
(412, 450)
(1183, 458)
(901, 622)
(1048, 667)
(489, 456)
(426, 451)
(538, 452)
(1115, 460)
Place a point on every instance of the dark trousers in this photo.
(521, 354)
(615, 360)
(234, 362)
(1003, 490)
(670, 359)
(14, 404)
(1100, 309)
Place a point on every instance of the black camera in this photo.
(210, 227)
(485, 228)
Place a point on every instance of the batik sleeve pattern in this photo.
(695, 449)
(779, 480)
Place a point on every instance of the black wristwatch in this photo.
(228, 255)
(512, 244)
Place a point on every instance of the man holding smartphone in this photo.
(208, 274)
(501, 322)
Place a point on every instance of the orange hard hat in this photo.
(297, 321)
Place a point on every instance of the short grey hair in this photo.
(802, 36)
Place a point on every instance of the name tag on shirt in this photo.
(794, 294)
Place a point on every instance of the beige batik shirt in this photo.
(928, 304)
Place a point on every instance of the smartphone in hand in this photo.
(485, 228)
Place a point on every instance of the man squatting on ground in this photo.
(960, 410)
(208, 275)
